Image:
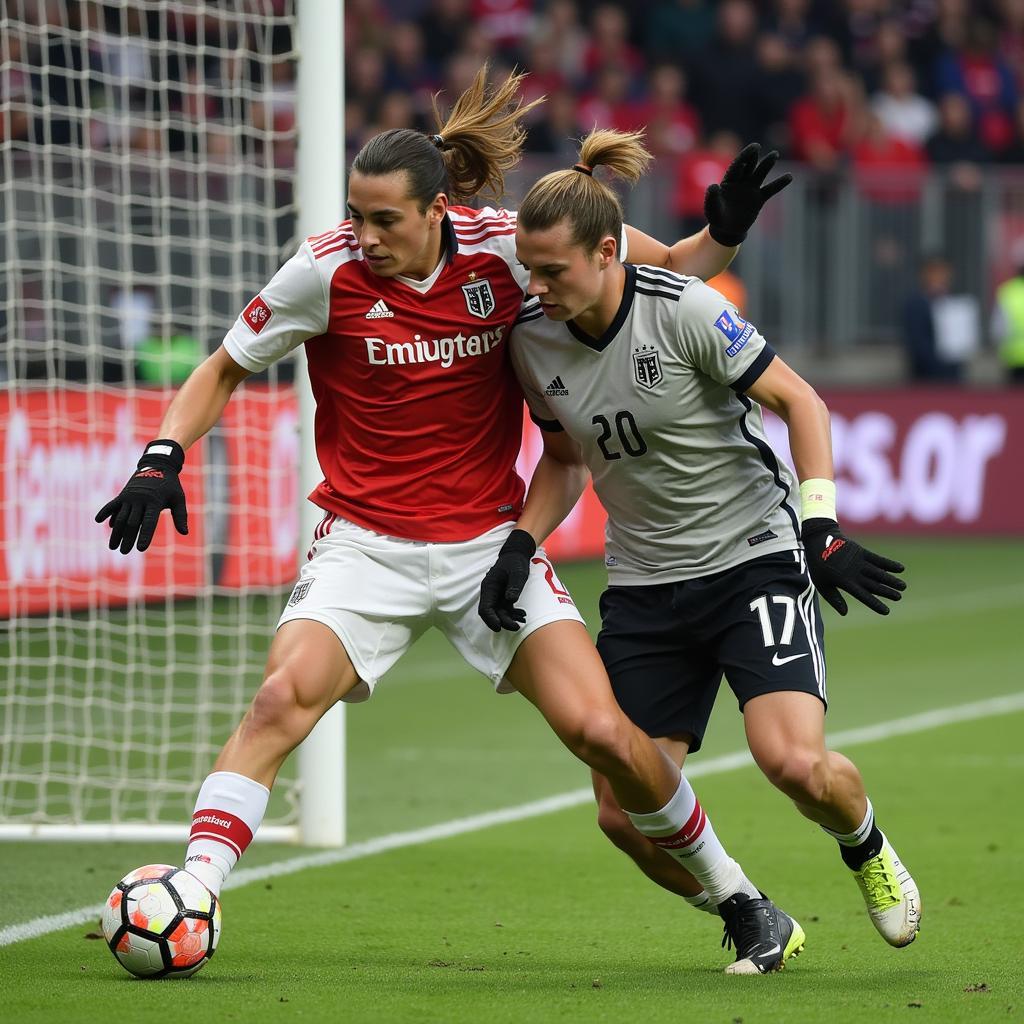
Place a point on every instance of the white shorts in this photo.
(379, 594)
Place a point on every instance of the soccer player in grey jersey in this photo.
(714, 554)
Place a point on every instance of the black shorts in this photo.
(666, 646)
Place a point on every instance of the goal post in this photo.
(153, 176)
(321, 188)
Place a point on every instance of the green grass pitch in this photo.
(542, 920)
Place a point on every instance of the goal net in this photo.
(147, 158)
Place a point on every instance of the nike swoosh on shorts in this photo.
(776, 660)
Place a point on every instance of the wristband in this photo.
(165, 448)
(818, 500)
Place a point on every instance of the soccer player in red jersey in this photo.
(405, 311)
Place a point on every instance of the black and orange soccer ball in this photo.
(161, 922)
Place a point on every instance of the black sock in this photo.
(855, 857)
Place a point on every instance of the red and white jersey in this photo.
(418, 412)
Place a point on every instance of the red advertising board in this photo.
(923, 462)
(65, 454)
(261, 431)
(926, 461)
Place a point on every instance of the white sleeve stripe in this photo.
(479, 236)
(354, 247)
(668, 276)
(337, 236)
(468, 224)
(671, 296)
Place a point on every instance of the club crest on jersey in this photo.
(479, 298)
(300, 591)
(647, 367)
(257, 314)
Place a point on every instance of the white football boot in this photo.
(891, 896)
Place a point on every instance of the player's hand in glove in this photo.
(134, 513)
(732, 206)
(835, 562)
(504, 583)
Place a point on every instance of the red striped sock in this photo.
(684, 832)
(228, 812)
(688, 834)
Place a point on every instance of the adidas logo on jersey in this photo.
(556, 389)
(378, 311)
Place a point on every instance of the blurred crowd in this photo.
(885, 87)
(879, 91)
(896, 84)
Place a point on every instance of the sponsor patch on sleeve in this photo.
(736, 330)
(257, 314)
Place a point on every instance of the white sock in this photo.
(858, 835)
(228, 812)
(702, 901)
(683, 831)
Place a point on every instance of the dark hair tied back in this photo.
(481, 138)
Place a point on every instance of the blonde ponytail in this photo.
(575, 195)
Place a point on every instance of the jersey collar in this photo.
(450, 246)
(600, 344)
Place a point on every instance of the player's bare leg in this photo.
(558, 669)
(786, 736)
(307, 672)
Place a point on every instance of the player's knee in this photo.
(275, 705)
(615, 824)
(603, 741)
(801, 774)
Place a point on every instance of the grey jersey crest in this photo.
(677, 452)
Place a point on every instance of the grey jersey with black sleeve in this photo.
(677, 451)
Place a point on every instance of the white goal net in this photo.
(147, 155)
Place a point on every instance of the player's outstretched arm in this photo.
(835, 561)
(197, 406)
(556, 486)
(731, 207)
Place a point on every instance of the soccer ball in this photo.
(161, 922)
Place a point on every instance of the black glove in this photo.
(504, 583)
(155, 486)
(835, 561)
(732, 206)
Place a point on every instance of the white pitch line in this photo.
(1005, 705)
